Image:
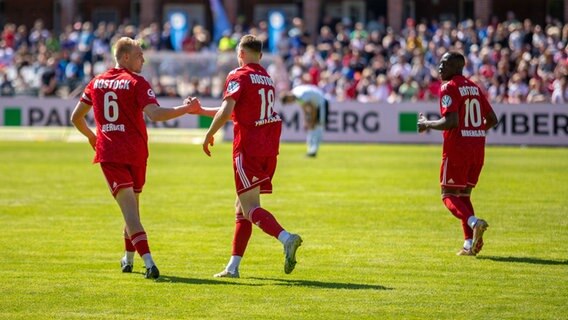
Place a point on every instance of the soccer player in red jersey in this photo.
(249, 98)
(466, 117)
(119, 98)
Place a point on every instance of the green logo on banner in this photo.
(13, 117)
(407, 122)
(205, 122)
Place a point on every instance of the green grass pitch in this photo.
(378, 242)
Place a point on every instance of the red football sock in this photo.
(128, 246)
(468, 231)
(460, 211)
(243, 231)
(140, 242)
(467, 201)
(265, 221)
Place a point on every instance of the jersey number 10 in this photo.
(473, 113)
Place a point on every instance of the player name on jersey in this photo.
(260, 79)
(469, 91)
(111, 84)
(473, 133)
(108, 127)
(261, 122)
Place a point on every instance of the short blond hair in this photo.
(124, 45)
(251, 43)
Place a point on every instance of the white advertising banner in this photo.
(525, 124)
(56, 112)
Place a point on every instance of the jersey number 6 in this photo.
(111, 106)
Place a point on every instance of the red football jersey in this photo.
(257, 126)
(466, 98)
(118, 97)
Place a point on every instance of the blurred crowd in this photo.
(513, 61)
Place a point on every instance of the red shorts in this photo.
(120, 175)
(251, 172)
(460, 172)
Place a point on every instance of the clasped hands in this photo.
(194, 105)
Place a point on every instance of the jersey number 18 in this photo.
(266, 96)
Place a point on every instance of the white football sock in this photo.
(129, 256)
(467, 244)
(233, 264)
(471, 221)
(148, 261)
(283, 236)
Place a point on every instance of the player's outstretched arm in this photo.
(157, 113)
(222, 116)
(78, 120)
(201, 110)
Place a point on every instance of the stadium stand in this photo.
(514, 61)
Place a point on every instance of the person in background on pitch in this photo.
(120, 98)
(249, 101)
(466, 117)
(315, 107)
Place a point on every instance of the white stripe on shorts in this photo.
(444, 171)
(241, 171)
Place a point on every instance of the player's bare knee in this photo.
(134, 227)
